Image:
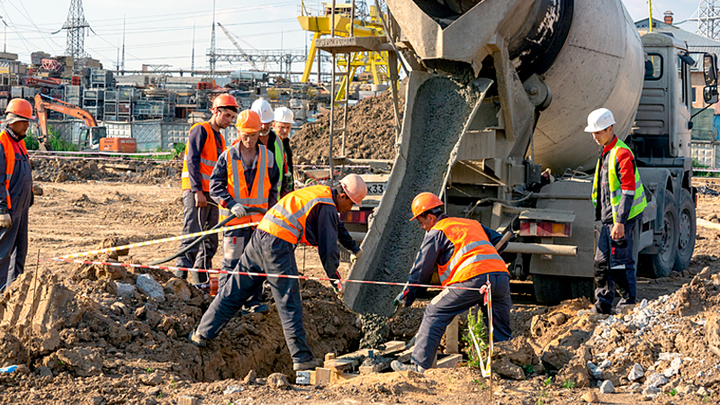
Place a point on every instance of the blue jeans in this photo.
(451, 302)
(264, 254)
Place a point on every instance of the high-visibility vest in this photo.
(278, 150)
(208, 158)
(7, 143)
(639, 200)
(286, 220)
(238, 189)
(474, 253)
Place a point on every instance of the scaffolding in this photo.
(335, 21)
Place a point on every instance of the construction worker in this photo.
(282, 125)
(205, 143)
(245, 176)
(309, 216)
(619, 199)
(16, 196)
(270, 139)
(464, 251)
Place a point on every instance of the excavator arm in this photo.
(41, 106)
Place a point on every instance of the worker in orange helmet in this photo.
(309, 216)
(465, 254)
(16, 196)
(245, 175)
(205, 143)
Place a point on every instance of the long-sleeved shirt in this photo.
(437, 249)
(21, 196)
(625, 167)
(219, 181)
(196, 143)
(324, 230)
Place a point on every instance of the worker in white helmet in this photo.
(282, 125)
(619, 199)
(270, 139)
(308, 216)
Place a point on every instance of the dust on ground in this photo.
(370, 134)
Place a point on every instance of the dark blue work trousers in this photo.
(264, 254)
(615, 268)
(451, 302)
(196, 219)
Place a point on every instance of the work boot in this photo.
(591, 311)
(397, 366)
(256, 309)
(196, 339)
(307, 365)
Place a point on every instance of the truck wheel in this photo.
(660, 264)
(687, 231)
(582, 287)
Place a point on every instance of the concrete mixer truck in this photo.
(496, 105)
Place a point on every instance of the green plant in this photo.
(672, 392)
(569, 384)
(31, 143)
(159, 395)
(149, 370)
(547, 381)
(172, 383)
(60, 362)
(476, 337)
(450, 379)
(528, 368)
(480, 383)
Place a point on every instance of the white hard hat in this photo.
(263, 109)
(355, 188)
(599, 120)
(284, 115)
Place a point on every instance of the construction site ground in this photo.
(79, 335)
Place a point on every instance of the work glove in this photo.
(407, 296)
(238, 210)
(337, 286)
(355, 256)
(5, 221)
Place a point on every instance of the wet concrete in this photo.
(436, 116)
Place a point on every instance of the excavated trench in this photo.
(439, 111)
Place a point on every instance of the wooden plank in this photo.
(341, 364)
(404, 356)
(392, 347)
(187, 400)
(452, 336)
(323, 376)
(375, 368)
(450, 361)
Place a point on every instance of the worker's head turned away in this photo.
(353, 190)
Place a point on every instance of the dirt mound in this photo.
(139, 172)
(370, 134)
(105, 322)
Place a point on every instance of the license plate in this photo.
(376, 188)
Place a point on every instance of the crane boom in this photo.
(238, 46)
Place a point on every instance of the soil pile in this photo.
(107, 322)
(139, 172)
(370, 134)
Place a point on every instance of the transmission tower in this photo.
(708, 18)
(75, 26)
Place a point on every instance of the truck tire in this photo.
(687, 229)
(660, 264)
(550, 290)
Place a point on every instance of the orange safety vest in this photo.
(286, 220)
(238, 189)
(7, 143)
(474, 253)
(208, 158)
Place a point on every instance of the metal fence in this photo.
(150, 135)
(706, 154)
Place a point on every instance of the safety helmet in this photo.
(599, 120)
(263, 109)
(225, 100)
(21, 108)
(248, 121)
(423, 202)
(354, 187)
(284, 115)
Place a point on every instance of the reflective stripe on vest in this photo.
(238, 189)
(474, 254)
(279, 151)
(287, 219)
(208, 158)
(7, 143)
(639, 199)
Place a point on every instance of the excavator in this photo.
(91, 135)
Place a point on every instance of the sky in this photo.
(160, 32)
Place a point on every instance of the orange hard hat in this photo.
(354, 187)
(225, 100)
(248, 121)
(21, 108)
(423, 202)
